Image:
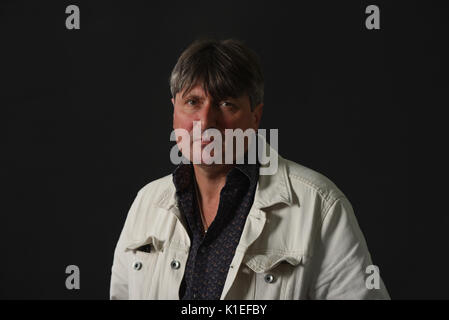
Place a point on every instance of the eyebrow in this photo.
(193, 96)
(200, 98)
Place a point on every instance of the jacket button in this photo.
(175, 264)
(269, 278)
(137, 265)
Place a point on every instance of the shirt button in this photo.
(175, 264)
(269, 278)
(202, 250)
(137, 265)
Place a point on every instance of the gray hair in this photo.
(226, 68)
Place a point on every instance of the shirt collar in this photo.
(183, 173)
(271, 189)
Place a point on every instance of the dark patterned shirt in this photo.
(211, 254)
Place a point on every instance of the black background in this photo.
(88, 117)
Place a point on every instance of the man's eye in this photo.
(227, 104)
(191, 102)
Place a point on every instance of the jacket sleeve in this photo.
(342, 265)
(119, 272)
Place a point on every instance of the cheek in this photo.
(182, 121)
(242, 121)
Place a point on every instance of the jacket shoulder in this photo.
(164, 182)
(153, 190)
(150, 195)
(302, 177)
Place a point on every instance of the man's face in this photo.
(231, 113)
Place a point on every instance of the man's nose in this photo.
(209, 116)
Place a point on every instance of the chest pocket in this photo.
(273, 274)
(142, 260)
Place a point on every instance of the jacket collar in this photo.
(271, 189)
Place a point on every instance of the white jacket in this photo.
(301, 240)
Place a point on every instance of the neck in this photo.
(211, 179)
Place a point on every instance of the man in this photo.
(225, 231)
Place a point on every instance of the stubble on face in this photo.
(197, 105)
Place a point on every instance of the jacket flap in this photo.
(152, 241)
(261, 263)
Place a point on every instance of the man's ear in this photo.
(257, 113)
(173, 101)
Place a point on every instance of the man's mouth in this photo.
(206, 140)
(205, 143)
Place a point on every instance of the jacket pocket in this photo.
(143, 256)
(274, 274)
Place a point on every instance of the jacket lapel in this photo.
(271, 190)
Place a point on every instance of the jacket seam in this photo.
(329, 200)
(261, 251)
(326, 210)
(324, 195)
